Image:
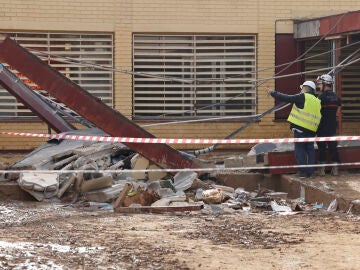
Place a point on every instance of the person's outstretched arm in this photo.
(298, 99)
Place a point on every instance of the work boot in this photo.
(311, 175)
(301, 175)
(321, 171)
(335, 170)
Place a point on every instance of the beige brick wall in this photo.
(125, 17)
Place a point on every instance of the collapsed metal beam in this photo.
(89, 107)
(27, 96)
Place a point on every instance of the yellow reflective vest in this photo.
(308, 117)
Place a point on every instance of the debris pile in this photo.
(112, 176)
(139, 190)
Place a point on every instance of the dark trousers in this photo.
(332, 147)
(304, 153)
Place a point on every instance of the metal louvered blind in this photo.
(188, 76)
(59, 50)
(317, 59)
(350, 91)
(350, 79)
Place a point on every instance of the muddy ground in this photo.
(51, 236)
(37, 235)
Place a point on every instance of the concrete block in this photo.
(250, 161)
(104, 194)
(234, 162)
(138, 162)
(96, 183)
(153, 176)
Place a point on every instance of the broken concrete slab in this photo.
(153, 176)
(138, 162)
(96, 183)
(184, 180)
(41, 185)
(55, 152)
(177, 198)
(42, 157)
(169, 193)
(251, 161)
(104, 195)
(234, 162)
(66, 185)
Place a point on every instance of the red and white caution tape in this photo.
(180, 141)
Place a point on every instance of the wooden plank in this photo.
(120, 200)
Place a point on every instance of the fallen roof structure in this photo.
(91, 108)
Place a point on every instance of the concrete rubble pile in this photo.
(111, 176)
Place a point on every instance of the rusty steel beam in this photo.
(89, 107)
(341, 24)
(27, 97)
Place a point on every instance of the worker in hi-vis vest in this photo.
(304, 120)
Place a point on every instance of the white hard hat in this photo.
(311, 84)
(325, 78)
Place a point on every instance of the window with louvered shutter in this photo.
(317, 59)
(89, 48)
(350, 84)
(188, 76)
(350, 80)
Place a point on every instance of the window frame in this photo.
(88, 47)
(195, 57)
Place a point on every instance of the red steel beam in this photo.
(89, 107)
(27, 97)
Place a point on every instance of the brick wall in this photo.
(125, 17)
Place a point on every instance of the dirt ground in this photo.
(37, 235)
(50, 236)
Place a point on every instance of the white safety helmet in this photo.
(311, 84)
(325, 78)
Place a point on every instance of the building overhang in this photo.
(334, 26)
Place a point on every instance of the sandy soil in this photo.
(49, 236)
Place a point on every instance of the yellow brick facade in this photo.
(125, 17)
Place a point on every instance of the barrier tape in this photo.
(180, 141)
(217, 169)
